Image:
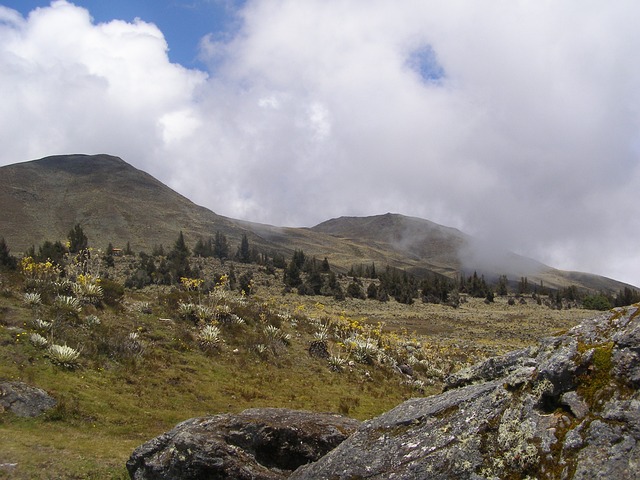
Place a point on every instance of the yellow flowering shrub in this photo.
(191, 284)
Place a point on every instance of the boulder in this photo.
(24, 400)
(567, 409)
(257, 444)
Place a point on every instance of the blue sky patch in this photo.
(424, 62)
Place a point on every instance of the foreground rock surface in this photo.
(257, 444)
(24, 400)
(568, 408)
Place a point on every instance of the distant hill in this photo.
(113, 201)
(117, 203)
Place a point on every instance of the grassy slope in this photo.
(115, 402)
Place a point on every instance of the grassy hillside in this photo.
(119, 204)
(145, 362)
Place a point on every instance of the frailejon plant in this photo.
(87, 288)
(204, 312)
(363, 350)
(32, 299)
(260, 348)
(38, 340)
(133, 346)
(186, 310)
(92, 321)
(337, 363)
(64, 356)
(274, 335)
(67, 304)
(144, 307)
(42, 325)
(209, 337)
(323, 333)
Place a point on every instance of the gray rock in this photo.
(576, 404)
(24, 400)
(490, 369)
(257, 444)
(567, 409)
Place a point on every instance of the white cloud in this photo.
(514, 121)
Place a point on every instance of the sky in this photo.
(516, 122)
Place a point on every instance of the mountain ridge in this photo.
(118, 203)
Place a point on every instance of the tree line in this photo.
(310, 276)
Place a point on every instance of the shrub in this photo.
(596, 302)
(112, 292)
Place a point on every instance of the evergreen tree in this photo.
(372, 291)
(6, 259)
(244, 252)
(108, 256)
(221, 247)
(53, 251)
(77, 239)
(298, 258)
(523, 286)
(279, 261)
(179, 260)
(501, 287)
(626, 297)
(200, 250)
(292, 276)
(325, 268)
(354, 289)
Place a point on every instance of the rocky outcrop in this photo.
(24, 400)
(568, 408)
(257, 444)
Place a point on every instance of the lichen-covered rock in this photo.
(257, 444)
(24, 400)
(569, 408)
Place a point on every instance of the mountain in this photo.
(427, 246)
(113, 201)
(119, 204)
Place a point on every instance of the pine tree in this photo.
(179, 260)
(220, 247)
(6, 259)
(501, 288)
(292, 275)
(200, 250)
(77, 239)
(325, 268)
(244, 252)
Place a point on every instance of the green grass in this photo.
(118, 399)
